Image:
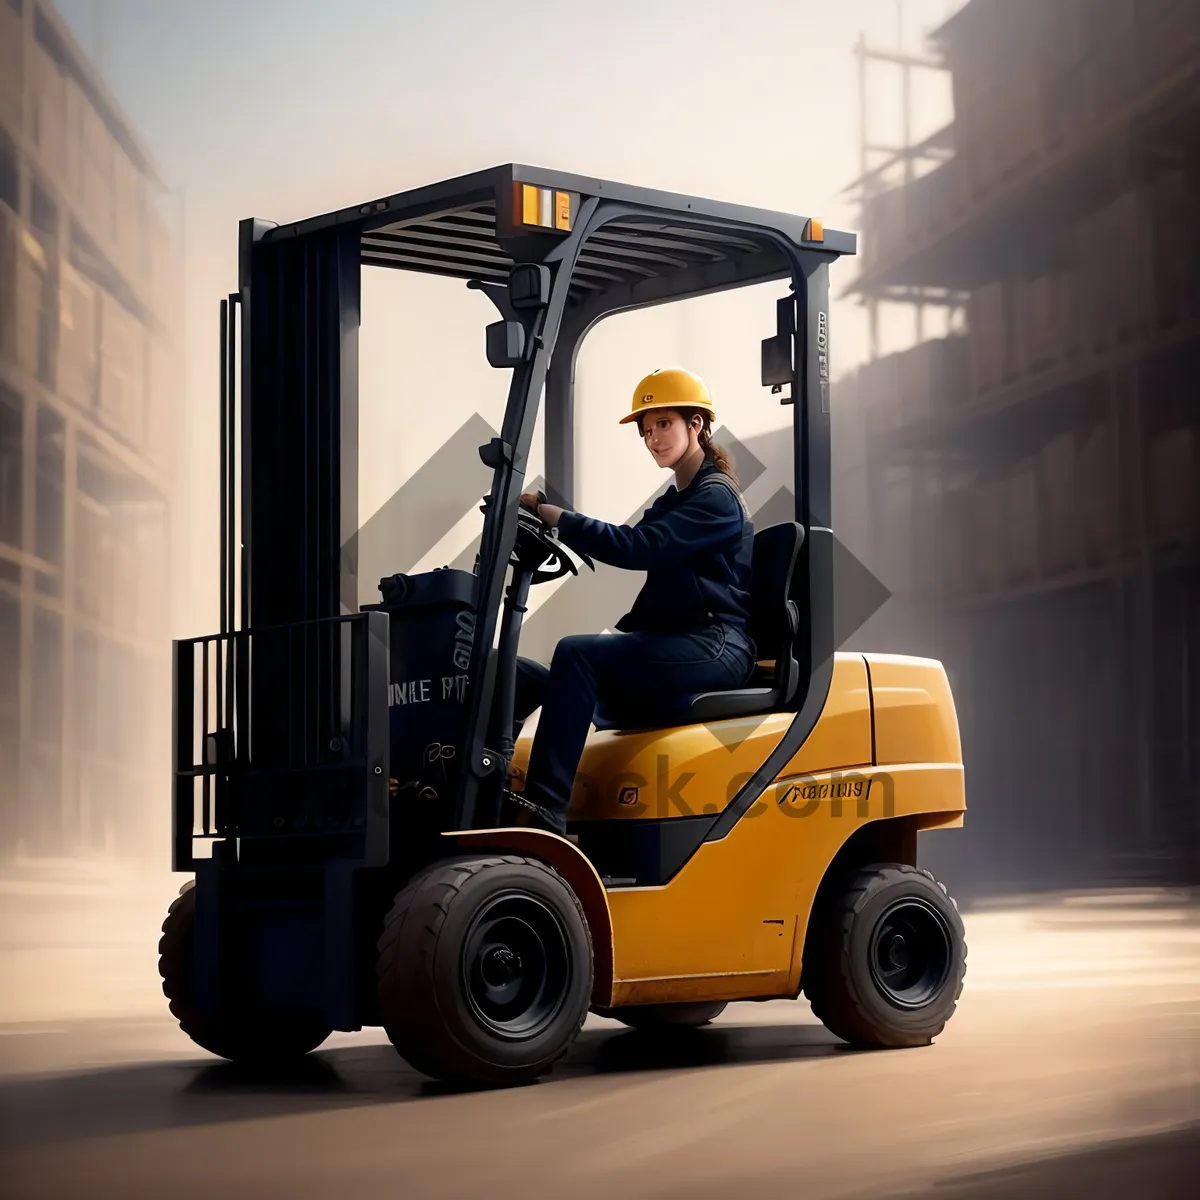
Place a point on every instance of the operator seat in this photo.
(774, 626)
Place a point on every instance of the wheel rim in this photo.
(911, 953)
(516, 966)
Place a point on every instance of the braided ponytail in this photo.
(715, 454)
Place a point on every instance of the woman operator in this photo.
(688, 630)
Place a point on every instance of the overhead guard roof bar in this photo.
(665, 246)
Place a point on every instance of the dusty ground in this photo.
(1072, 1069)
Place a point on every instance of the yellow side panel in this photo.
(731, 923)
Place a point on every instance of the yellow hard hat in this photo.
(670, 387)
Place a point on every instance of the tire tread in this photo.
(249, 1040)
(831, 988)
(408, 999)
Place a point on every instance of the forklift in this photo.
(339, 768)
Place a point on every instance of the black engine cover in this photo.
(432, 626)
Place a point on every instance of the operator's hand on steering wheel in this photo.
(536, 503)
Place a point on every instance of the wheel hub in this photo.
(898, 952)
(500, 967)
(911, 953)
(516, 966)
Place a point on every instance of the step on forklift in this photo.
(339, 768)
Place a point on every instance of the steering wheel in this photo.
(539, 552)
(536, 545)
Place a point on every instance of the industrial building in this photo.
(1029, 483)
(89, 322)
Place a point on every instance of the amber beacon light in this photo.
(542, 207)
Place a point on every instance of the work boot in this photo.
(520, 811)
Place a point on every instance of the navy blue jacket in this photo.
(695, 546)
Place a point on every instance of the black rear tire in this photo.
(649, 1017)
(887, 957)
(485, 970)
(255, 1038)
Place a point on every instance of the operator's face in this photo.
(668, 437)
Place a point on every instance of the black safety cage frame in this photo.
(289, 426)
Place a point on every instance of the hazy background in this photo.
(285, 110)
(1026, 487)
(1026, 481)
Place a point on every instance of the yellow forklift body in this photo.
(731, 924)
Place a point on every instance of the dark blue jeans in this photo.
(646, 675)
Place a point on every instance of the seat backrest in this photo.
(774, 617)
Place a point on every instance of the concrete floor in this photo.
(1071, 1069)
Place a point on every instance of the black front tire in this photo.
(648, 1017)
(886, 958)
(485, 970)
(255, 1038)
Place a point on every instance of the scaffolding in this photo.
(879, 161)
